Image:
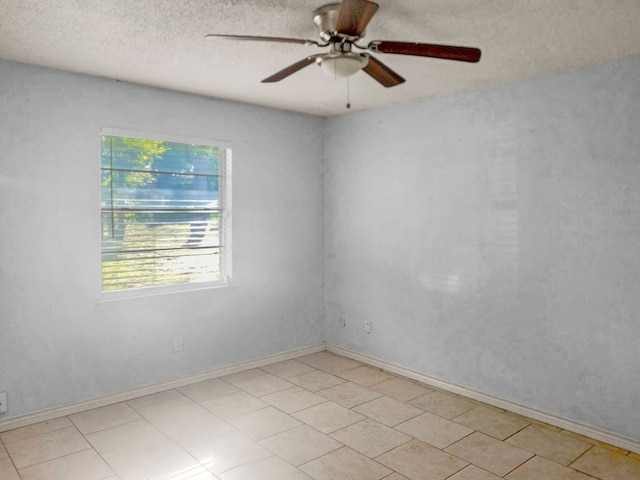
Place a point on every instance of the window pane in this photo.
(122, 153)
(161, 213)
(159, 190)
(147, 269)
(158, 230)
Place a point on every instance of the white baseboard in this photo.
(81, 406)
(564, 423)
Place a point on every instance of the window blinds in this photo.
(162, 212)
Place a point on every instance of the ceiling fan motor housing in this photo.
(326, 19)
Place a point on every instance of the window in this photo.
(165, 211)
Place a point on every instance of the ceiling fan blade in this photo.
(354, 16)
(260, 39)
(291, 69)
(462, 54)
(381, 73)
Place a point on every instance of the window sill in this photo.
(145, 296)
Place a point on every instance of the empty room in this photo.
(248, 240)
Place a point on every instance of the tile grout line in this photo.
(56, 458)
(579, 457)
(589, 431)
(259, 442)
(413, 438)
(312, 459)
(529, 423)
(90, 447)
(37, 435)
(2, 443)
(107, 428)
(337, 374)
(113, 472)
(166, 438)
(457, 472)
(526, 461)
(515, 433)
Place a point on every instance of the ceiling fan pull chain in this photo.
(348, 94)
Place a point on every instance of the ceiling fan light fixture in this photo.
(342, 64)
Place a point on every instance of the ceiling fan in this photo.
(341, 26)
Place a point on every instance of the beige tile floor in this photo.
(321, 417)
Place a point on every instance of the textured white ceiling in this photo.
(161, 43)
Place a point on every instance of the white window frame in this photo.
(225, 197)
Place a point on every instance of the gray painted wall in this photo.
(490, 236)
(56, 345)
(492, 239)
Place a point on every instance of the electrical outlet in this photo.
(341, 322)
(178, 344)
(3, 402)
(367, 326)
